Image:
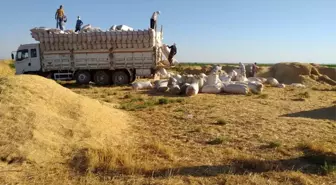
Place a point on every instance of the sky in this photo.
(264, 31)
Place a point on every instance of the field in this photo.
(282, 136)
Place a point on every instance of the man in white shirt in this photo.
(153, 20)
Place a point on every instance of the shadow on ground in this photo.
(240, 167)
(312, 162)
(323, 113)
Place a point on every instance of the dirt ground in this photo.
(283, 136)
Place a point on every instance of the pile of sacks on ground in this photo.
(117, 37)
(214, 83)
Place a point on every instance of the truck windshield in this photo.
(22, 54)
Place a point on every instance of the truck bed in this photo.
(99, 59)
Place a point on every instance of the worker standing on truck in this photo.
(153, 20)
(79, 24)
(59, 16)
(172, 53)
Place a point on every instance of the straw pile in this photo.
(5, 69)
(294, 72)
(330, 72)
(43, 122)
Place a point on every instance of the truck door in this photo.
(34, 60)
(21, 61)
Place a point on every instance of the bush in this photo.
(163, 101)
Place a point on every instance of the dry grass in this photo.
(6, 68)
(41, 121)
(168, 141)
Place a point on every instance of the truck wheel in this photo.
(120, 78)
(102, 78)
(83, 77)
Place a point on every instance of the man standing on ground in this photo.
(153, 20)
(254, 69)
(242, 69)
(59, 16)
(79, 24)
(173, 51)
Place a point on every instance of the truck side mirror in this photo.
(12, 56)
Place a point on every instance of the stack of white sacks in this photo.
(118, 37)
(233, 83)
(214, 83)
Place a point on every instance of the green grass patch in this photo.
(328, 168)
(163, 101)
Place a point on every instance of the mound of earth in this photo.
(43, 122)
(330, 72)
(294, 72)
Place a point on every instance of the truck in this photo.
(103, 57)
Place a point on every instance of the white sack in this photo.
(203, 75)
(172, 81)
(162, 72)
(192, 89)
(175, 89)
(251, 79)
(281, 85)
(211, 89)
(272, 81)
(236, 89)
(298, 85)
(184, 88)
(263, 80)
(225, 78)
(142, 85)
(255, 87)
(241, 78)
(201, 82)
(86, 27)
(213, 79)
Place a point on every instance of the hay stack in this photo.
(5, 69)
(195, 70)
(290, 72)
(264, 71)
(42, 122)
(330, 72)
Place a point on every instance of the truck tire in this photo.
(83, 77)
(120, 78)
(102, 78)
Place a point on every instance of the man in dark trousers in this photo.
(173, 51)
(79, 24)
(59, 16)
(153, 19)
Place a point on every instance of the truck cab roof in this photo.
(26, 46)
